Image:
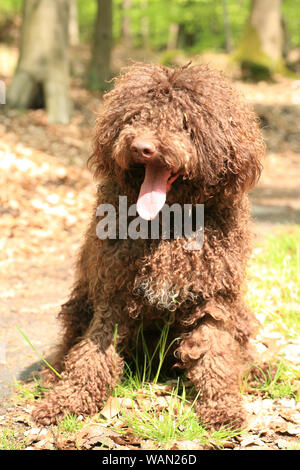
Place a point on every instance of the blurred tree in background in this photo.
(42, 73)
(260, 51)
(263, 36)
(201, 22)
(99, 72)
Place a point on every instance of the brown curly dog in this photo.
(165, 136)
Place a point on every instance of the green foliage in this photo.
(170, 57)
(10, 7)
(87, 10)
(162, 424)
(291, 17)
(200, 22)
(9, 10)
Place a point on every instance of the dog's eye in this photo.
(187, 128)
(185, 123)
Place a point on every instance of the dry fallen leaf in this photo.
(293, 430)
(127, 403)
(290, 415)
(111, 407)
(189, 445)
(145, 403)
(95, 433)
(250, 441)
(43, 444)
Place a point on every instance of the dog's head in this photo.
(179, 134)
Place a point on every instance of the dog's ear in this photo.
(243, 167)
(224, 131)
(100, 162)
(229, 152)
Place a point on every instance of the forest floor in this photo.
(46, 196)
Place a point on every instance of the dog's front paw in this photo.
(65, 398)
(47, 413)
(215, 415)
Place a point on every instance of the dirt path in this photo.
(45, 199)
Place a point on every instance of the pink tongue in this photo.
(153, 191)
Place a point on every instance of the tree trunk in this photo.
(173, 36)
(265, 18)
(42, 73)
(73, 24)
(2, 92)
(126, 28)
(100, 73)
(227, 27)
(145, 26)
(262, 45)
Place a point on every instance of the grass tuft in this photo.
(10, 440)
(39, 355)
(277, 381)
(274, 282)
(70, 424)
(29, 391)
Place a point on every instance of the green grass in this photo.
(274, 286)
(293, 446)
(70, 424)
(274, 296)
(177, 421)
(147, 372)
(29, 392)
(277, 381)
(162, 424)
(9, 440)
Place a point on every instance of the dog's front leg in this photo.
(92, 368)
(212, 359)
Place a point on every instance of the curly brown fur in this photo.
(197, 128)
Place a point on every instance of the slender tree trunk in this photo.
(2, 92)
(145, 26)
(100, 72)
(42, 73)
(73, 24)
(173, 36)
(126, 28)
(227, 27)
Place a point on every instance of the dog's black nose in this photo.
(145, 148)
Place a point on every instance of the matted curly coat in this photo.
(176, 135)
